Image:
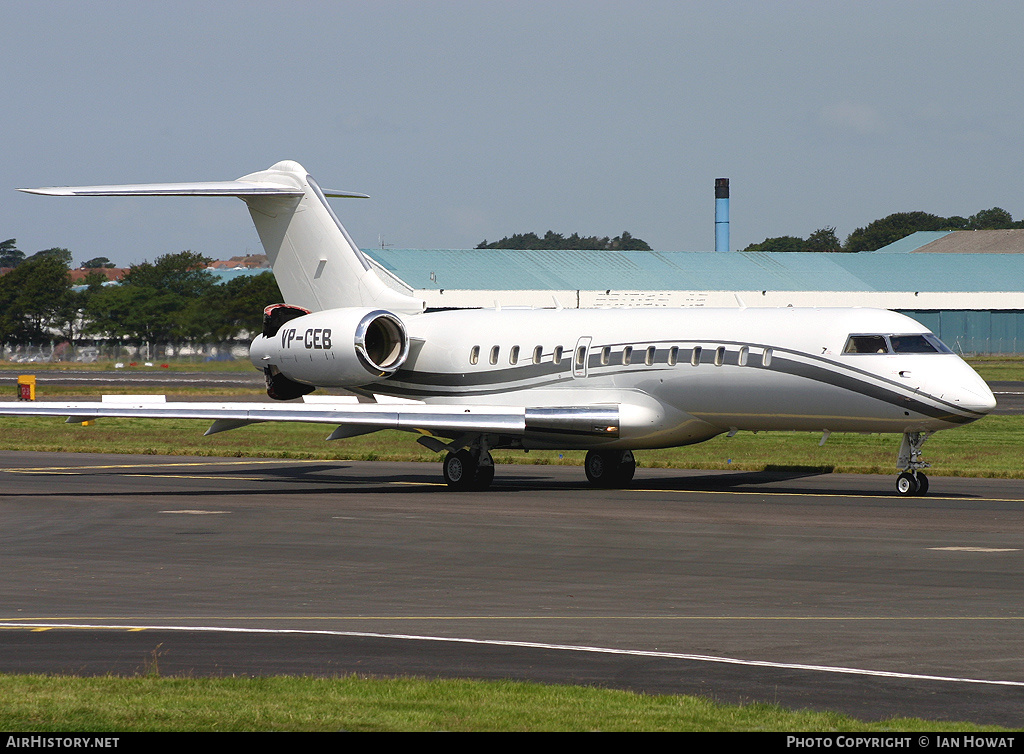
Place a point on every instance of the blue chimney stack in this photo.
(721, 214)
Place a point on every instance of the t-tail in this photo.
(317, 264)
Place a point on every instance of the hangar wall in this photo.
(975, 332)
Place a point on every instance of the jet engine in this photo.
(299, 351)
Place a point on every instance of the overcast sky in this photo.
(472, 120)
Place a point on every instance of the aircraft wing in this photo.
(351, 419)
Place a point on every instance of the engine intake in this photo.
(332, 348)
(381, 340)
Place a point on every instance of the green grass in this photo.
(148, 703)
(991, 447)
(992, 368)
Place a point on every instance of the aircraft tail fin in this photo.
(317, 264)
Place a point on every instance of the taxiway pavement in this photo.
(810, 590)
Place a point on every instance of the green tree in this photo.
(823, 239)
(558, 242)
(10, 256)
(96, 263)
(239, 304)
(990, 219)
(94, 280)
(136, 313)
(183, 274)
(891, 228)
(780, 243)
(626, 242)
(34, 299)
(158, 302)
(56, 253)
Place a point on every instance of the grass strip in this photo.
(992, 368)
(991, 447)
(152, 703)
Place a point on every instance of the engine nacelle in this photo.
(332, 348)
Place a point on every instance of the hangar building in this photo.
(966, 286)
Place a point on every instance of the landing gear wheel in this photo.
(464, 471)
(596, 466)
(610, 468)
(459, 470)
(907, 484)
(627, 468)
(922, 484)
(912, 480)
(484, 477)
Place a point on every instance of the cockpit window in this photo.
(915, 343)
(911, 344)
(866, 344)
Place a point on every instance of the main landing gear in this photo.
(911, 480)
(610, 468)
(473, 468)
(468, 464)
(468, 470)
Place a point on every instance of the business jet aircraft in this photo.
(609, 381)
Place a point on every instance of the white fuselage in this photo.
(679, 376)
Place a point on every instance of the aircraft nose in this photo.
(975, 398)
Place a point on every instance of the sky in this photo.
(471, 120)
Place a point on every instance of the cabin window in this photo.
(627, 355)
(606, 356)
(742, 360)
(513, 355)
(866, 344)
(766, 357)
(581, 357)
(649, 357)
(537, 353)
(673, 355)
(719, 356)
(474, 354)
(494, 355)
(695, 356)
(556, 357)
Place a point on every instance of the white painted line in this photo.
(977, 549)
(196, 512)
(529, 645)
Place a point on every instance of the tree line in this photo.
(174, 299)
(887, 230)
(556, 241)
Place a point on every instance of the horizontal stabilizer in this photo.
(238, 189)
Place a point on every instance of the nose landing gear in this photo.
(911, 483)
(911, 480)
